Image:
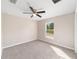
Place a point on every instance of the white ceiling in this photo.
(52, 10)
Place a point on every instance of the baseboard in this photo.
(56, 44)
(16, 44)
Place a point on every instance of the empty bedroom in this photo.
(38, 29)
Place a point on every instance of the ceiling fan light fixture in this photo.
(34, 15)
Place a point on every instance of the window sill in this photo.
(49, 37)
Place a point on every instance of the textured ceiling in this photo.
(52, 10)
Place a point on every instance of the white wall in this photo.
(64, 30)
(17, 30)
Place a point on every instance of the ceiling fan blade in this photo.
(32, 9)
(41, 12)
(31, 16)
(38, 15)
(56, 1)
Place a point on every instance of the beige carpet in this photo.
(37, 50)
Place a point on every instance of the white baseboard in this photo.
(16, 44)
(58, 45)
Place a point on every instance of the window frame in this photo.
(46, 36)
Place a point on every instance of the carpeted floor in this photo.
(37, 50)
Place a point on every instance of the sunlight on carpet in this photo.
(60, 52)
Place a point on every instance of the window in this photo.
(49, 30)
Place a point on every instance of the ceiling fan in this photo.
(34, 12)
